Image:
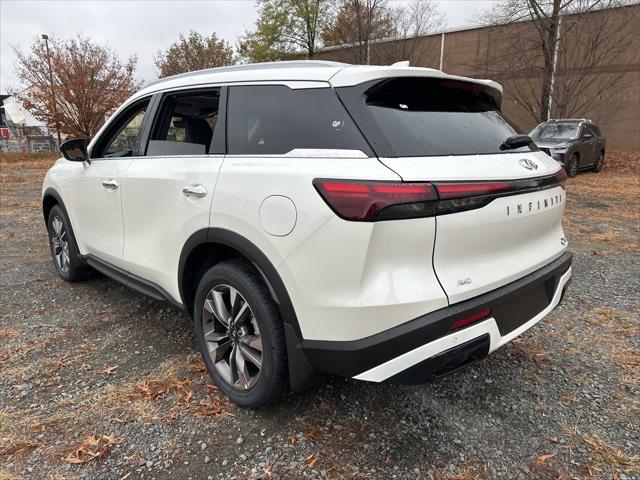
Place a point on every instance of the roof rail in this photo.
(255, 66)
(569, 120)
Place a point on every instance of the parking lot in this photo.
(100, 382)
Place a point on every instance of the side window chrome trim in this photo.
(204, 155)
(308, 153)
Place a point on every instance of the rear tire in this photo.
(599, 162)
(65, 254)
(572, 166)
(240, 334)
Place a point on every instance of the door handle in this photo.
(197, 191)
(110, 184)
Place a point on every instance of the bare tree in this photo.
(419, 18)
(89, 81)
(359, 23)
(411, 22)
(548, 54)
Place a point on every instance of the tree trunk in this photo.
(550, 26)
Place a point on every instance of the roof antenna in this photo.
(404, 63)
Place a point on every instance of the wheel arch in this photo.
(50, 199)
(209, 246)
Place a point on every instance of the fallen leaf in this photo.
(109, 370)
(92, 447)
(543, 458)
(311, 460)
(311, 433)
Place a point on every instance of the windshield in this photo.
(431, 116)
(563, 131)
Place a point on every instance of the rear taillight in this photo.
(378, 200)
(476, 317)
(560, 178)
(373, 200)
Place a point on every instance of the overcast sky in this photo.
(145, 27)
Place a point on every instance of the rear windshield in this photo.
(428, 116)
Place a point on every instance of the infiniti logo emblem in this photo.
(528, 164)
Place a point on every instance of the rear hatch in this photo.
(499, 209)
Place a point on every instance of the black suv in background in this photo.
(576, 143)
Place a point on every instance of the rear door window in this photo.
(411, 116)
(275, 119)
(185, 123)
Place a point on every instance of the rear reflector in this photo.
(372, 200)
(481, 315)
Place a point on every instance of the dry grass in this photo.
(471, 470)
(23, 168)
(21, 161)
(7, 475)
(619, 322)
(604, 454)
(16, 433)
(604, 208)
(165, 393)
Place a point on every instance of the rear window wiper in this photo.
(516, 141)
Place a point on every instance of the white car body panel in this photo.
(480, 250)
(159, 218)
(95, 211)
(351, 280)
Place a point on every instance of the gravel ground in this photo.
(99, 382)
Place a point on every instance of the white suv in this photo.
(380, 223)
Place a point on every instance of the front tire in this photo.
(64, 249)
(572, 166)
(599, 162)
(240, 335)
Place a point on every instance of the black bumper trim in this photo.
(444, 363)
(511, 305)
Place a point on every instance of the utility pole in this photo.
(45, 37)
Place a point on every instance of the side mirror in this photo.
(587, 136)
(75, 150)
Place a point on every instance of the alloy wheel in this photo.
(60, 243)
(232, 337)
(573, 167)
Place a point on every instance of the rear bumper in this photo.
(426, 347)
